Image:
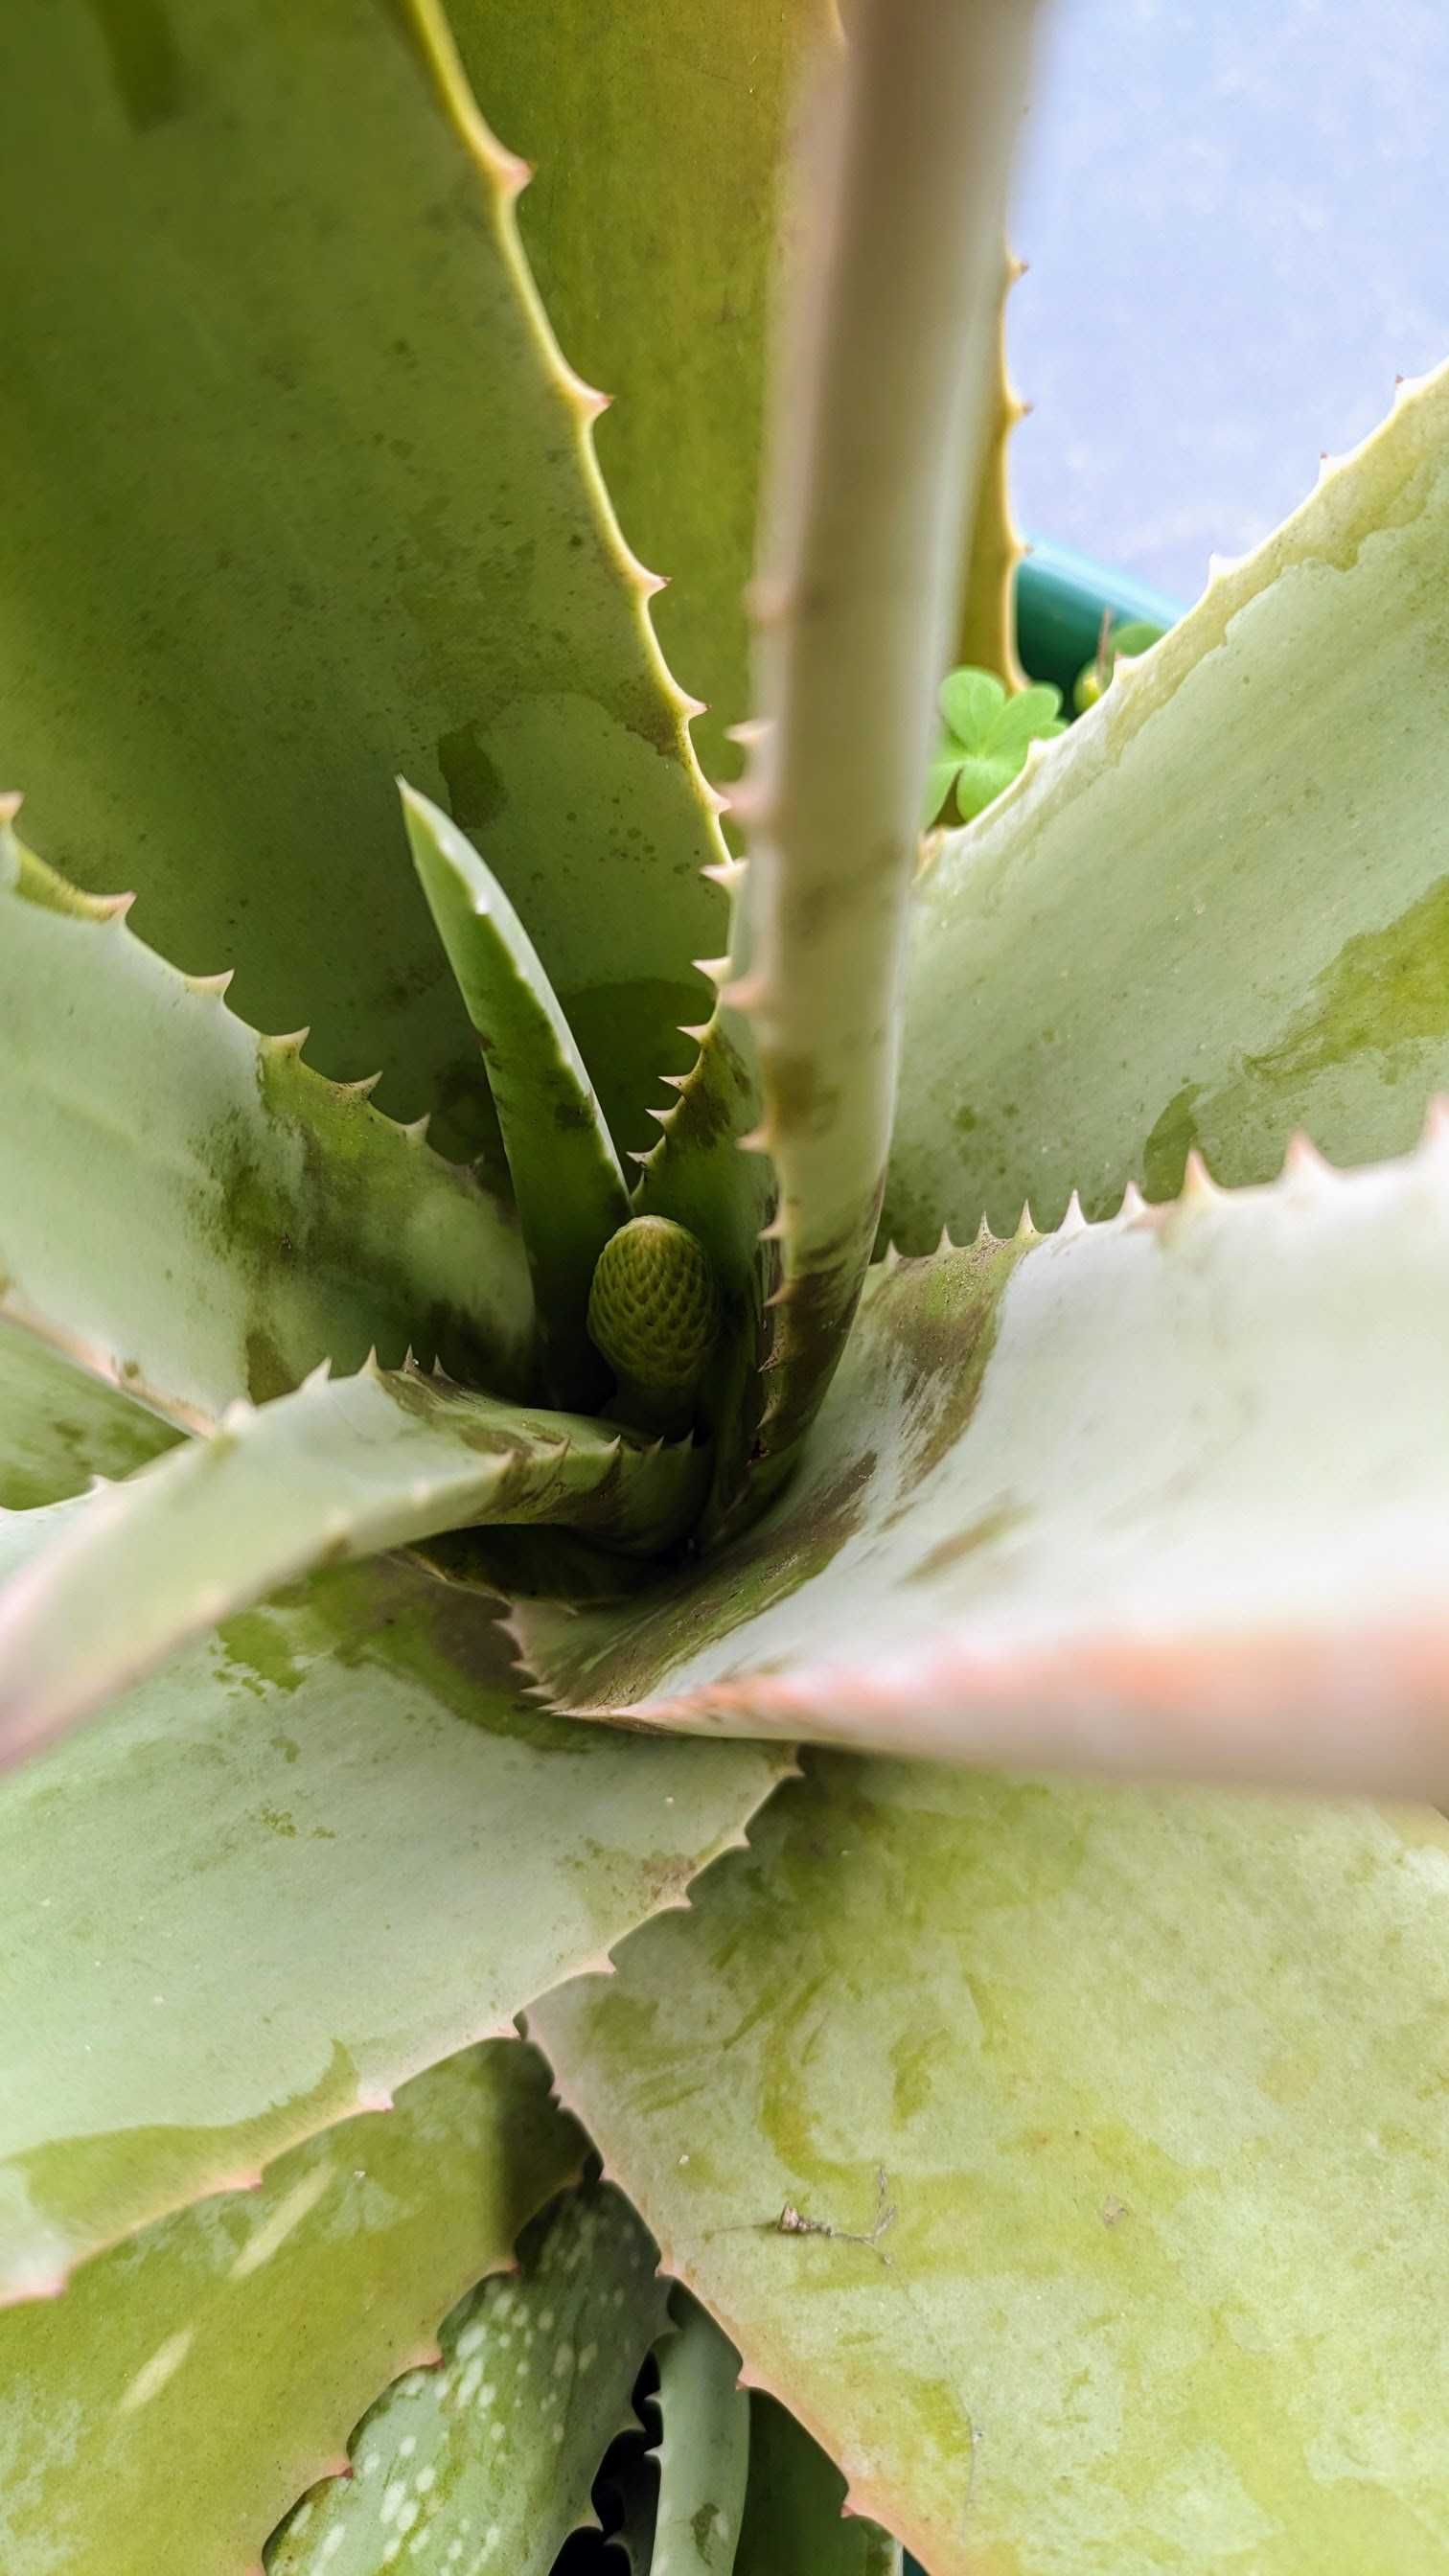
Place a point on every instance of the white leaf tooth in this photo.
(1434, 1137)
(1302, 1161)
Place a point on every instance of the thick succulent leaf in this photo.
(793, 2523)
(317, 1853)
(986, 624)
(357, 531)
(567, 1183)
(488, 2461)
(653, 249)
(1165, 1495)
(189, 1209)
(1218, 910)
(1155, 2084)
(340, 1470)
(633, 2478)
(698, 1176)
(879, 425)
(704, 2456)
(164, 2412)
(59, 1426)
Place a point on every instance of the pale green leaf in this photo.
(300, 494)
(312, 1856)
(1220, 909)
(59, 1426)
(190, 1209)
(567, 1184)
(1165, 1495)
(165, 2411)
(342, 1469)
(1155, 2082)
(793, 2523)
(889, 341)
(972, 703)
(489, 2460)
(654, 242)
(705, 2452)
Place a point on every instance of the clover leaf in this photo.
(985, 738)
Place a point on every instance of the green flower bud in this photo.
(654, 1314)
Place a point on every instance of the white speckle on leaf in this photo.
(152, 2376)
(392, 2499)
(274, 2231)
(563, 2360)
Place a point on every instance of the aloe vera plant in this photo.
(468, 2073)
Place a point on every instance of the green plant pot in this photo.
(1061, 599)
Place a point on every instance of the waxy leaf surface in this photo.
(193, 1212)
(310, 1857)
(174, 2402)
(1164, 1495)
(59, 1426)
(1219, 909)
(300, 495)
(488, 2461)
(1158, 2084)
(343, 1469)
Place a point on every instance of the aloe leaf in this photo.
(1217, 911)
(653, 249)
(567, 1183)
(705, 2453)
(878, 428)
(340, 1470)
(697, 1176)
(319, 1851)
(497, 2449)
(1130, 2062)
(793, 2524)
(1166, 1495)
(986, 624)
(634, 2481)
(166, 2410)
(360, 530)
(60, 1427)
(192, 1211)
